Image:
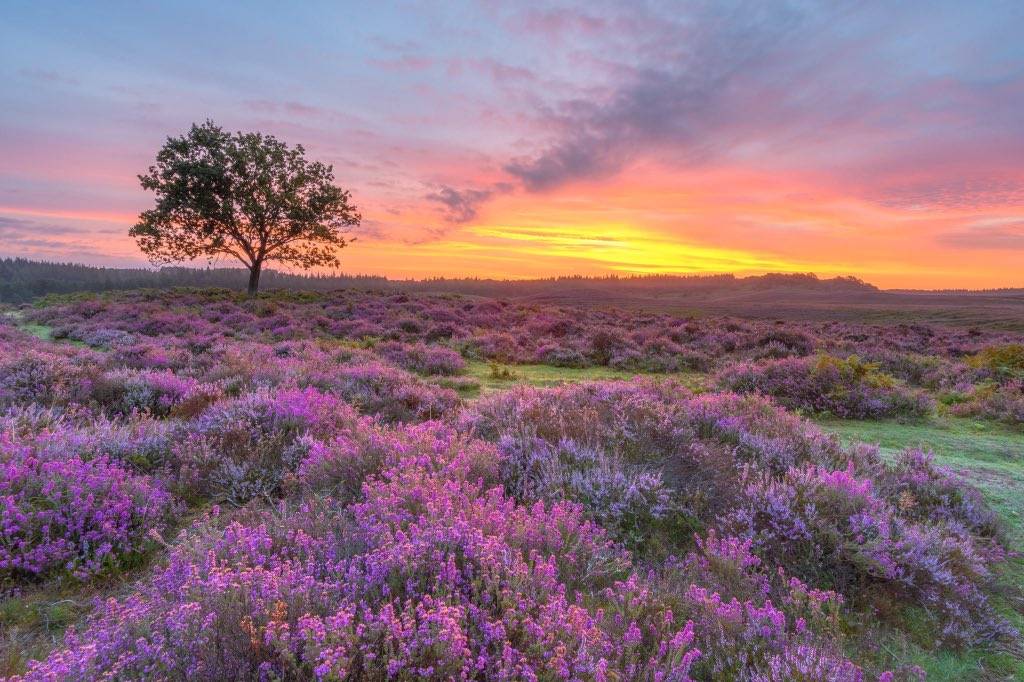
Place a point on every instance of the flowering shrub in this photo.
(500, 331)
(846, 388)
(1003, 403)
(71, 514)
(422, 358)
(385, 529)
(699, 442)
(391, 393)
(403, 586)
(1005, 360)
(625, 499)
(244, 449)
(342, 465)
(924, 491)
(43, 377)
(831, 529)
(160, 393)
(742, 465)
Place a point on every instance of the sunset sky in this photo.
(879, 139)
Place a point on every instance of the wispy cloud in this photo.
(989, 236)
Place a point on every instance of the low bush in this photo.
(388, 392)
(430, 577)
(831, 529)
(422, 358)
(849, 388)
(72, 515)
(1002, 403)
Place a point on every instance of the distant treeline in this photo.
(22, 280)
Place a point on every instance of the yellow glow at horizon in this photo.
(629, 249)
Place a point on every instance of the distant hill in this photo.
(782, 296)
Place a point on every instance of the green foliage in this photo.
(501, 372)
(853, 370)
(1006, 359)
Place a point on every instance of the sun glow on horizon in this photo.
(516, 142)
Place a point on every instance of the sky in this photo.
(518, 139)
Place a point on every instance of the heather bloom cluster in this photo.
(422, 358)
(302, 497)
(847, 388)
(837, 518)
(998, 402)
(380, 389)
(71, 514)
(830, 528)
(431, 575)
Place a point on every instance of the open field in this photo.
(769, 297)
(391, 462)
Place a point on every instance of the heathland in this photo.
(583, 479)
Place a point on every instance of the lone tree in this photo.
(246, 195)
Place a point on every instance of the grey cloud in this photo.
(459, 206)
(675, 97)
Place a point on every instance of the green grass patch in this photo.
(496, 377)
(40, 331)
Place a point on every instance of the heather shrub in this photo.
(928, 371)
(341, 466)
(1003, 403)
(637, 360)
(605, 344)
(923, 491)
(647, 458)
(159, 393)
(558, 355)
(831, 529)
(782, 343)
(388, 392)
(44, 377)
(656, 423)
(824, 384)
(403, 585)
(142, 445)
(740, 464)
(245, 448)
(421, 358)
(626, 499)
(754, 625)
(1005, 360)
(100, 338)
(497, 346)
(384, 529)
(70, 514)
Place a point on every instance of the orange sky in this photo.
(874, 140)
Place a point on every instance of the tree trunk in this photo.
(254, 279)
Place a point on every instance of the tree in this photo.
(245, 195)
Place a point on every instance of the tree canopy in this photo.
(245, 195)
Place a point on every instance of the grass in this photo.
(496, 377)
(34, 618)
(991, 457)
(40, 331)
